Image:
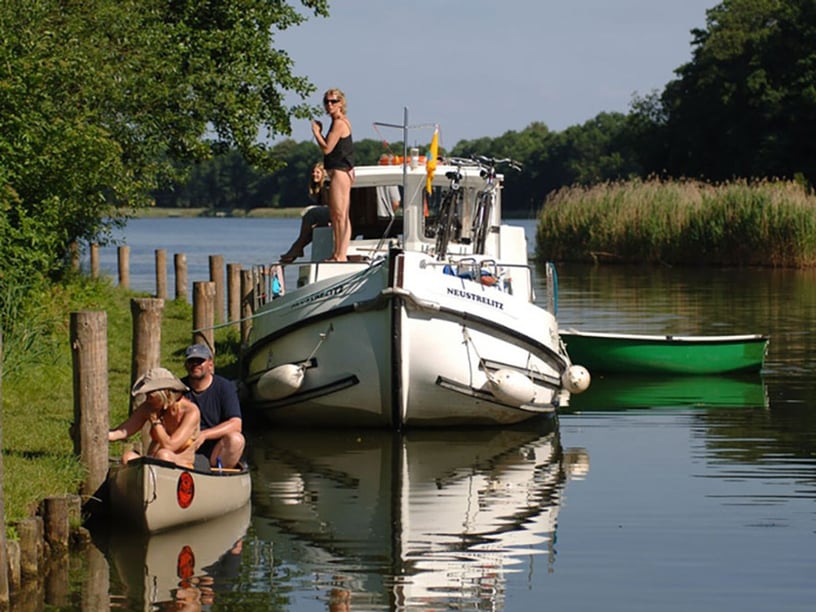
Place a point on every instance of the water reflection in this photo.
(428, 519)
(179, 569)
(624, 392)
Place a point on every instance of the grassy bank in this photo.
(767, 223)
(37, 389)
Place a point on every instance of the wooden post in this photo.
(161, 274)
(146, 314)
(55, 521)
(89, 345)
(180, 264)
(217, 277)
(233, 292)
(123, 253)
(4, 564)
(73, 248)
(204, 313)
(30, 531)
(247, 286)
(94, 254)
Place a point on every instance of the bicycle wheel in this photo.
(445, 224)
(481, 221)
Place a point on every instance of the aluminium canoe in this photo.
(156, 495)
(665, 354)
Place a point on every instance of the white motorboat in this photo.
(431, 322)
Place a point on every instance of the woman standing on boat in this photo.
(175, 422)
(338, 159)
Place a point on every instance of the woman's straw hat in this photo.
(155, 379)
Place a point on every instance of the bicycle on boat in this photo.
(486, 198)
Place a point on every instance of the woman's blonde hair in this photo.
(315, 188)
(168, 396)
(336, 93)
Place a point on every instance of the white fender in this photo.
(279, 382)
(576, 379)
(512, 387)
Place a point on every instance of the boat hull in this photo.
(654, 354)
(400, 344)
(157, 495)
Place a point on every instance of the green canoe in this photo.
(646, 354)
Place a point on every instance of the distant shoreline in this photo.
(155, 212)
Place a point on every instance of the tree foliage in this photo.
(745, 105)
(103, 100)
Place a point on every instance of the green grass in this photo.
(762, 223)
(37, 383)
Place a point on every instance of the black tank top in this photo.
(341, 157)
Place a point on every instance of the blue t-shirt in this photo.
(217, 403)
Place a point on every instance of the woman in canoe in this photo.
(174, 420)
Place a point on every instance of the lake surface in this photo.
(697, 494)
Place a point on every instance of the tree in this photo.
(745, 106)
(103, 100)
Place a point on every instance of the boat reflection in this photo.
(622, 392)
(425, 519)
(178, 569)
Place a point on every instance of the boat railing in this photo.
(488, 272)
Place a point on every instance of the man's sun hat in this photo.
(155, 379)
(197, 351)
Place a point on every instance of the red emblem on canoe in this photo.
(185, 490)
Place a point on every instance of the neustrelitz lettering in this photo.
(476, 298)
(333, 291)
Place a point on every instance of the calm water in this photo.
(657, 495)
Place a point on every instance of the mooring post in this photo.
(180, 265)
(94, 256)
(89, 347)
(247, 297)
(123, 256)
(204, 313)
(161, 274)
(73, 248)
(146, 314)
(233, 292)
(217, 277)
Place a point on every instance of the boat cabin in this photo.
(413, 224)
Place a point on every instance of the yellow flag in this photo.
(430, 163)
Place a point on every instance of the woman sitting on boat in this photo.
(315, 215)
(174, 420)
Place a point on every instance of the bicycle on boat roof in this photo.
(486, 198)
(447, 221)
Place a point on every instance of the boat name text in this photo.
(330, 292)
(476, 298)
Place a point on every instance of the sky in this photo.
(480, 68)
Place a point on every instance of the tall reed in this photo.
(740, 223)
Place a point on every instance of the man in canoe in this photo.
(174, 420)
(221, 440)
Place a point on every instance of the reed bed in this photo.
(741, 223)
